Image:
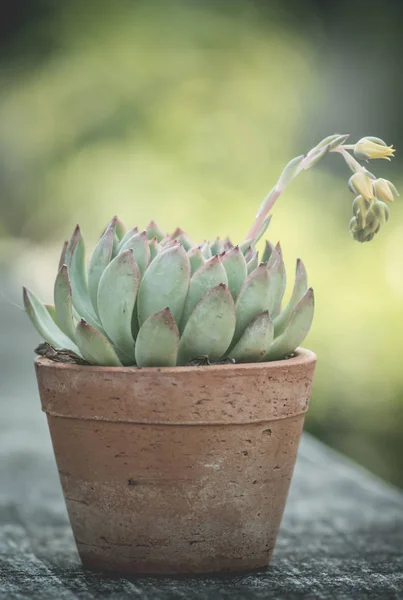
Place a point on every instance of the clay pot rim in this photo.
(302, 356)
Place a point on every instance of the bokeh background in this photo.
(186, 112)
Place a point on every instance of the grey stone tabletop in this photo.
(341, 536)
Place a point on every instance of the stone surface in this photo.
(341, 536)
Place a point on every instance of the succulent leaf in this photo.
(206, 250)
(120, 229)
(52, 311)
(217, 247)
(268, 251)
(117, 294)
(235, 265)
(296, 329)
(154, 248)
(165, 284)
(95, 347)
(158, 341)
(196, 259)
(262, 230)
(255, 340)
(62, 260)
(253, 262)
(246, 246)
(44, 324)
(278, 283)
(100, 259)
(206, 277)
(290, 171)
(75, 261)
(182, 238)
(299, 290)
(141, 251)
(210, 327)
(253, 299)
(153, 231)
(129, 234)
(63, 303)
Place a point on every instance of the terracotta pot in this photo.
(176, 470)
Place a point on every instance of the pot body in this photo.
(176, 470)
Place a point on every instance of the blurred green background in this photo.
(186, 112)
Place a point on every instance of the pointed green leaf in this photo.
(129, 234)
(278, 283)
(300, 287)
(153, 231)
(165, 284)
(44, 324)
(235, 265)
(182, 238)
(120, 229)
(63, 303)
(262, 230)
(52, 311)
(141, 251)
(62, 260)
(206, 277)
(196, 259)
(217, 247)
(267, 252)
(75, 261)
(154, 248)
(100, 259)
(117, 294)
(228, 244)
(296, 329)
(255, 340)
(158, 341)
(210, 327)
(253, 262)
(290, 171)
(95, 348)
(206, 250)
(249, 254)
(253, 299)
(245, 246)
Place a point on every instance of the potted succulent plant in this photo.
(174, 387)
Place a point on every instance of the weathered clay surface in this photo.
(176, 470)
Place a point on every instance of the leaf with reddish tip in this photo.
(253, 299)
(206, 277)
(158, 341)
(206, 250)
(210, 327)
(117, 294)
(228, 244)
(100, 259)
(63, 303)
(235, 265)
(246, 246)
(129, 234)
(153, 231)
(217, 247)
(296, 330)
(62, 260)
(154, 248)
(300, 287)
(165, 284)
(141, 251)
(44, 324)
(182, 238)
(196, 259)
(120, 229)
(253, 262)
(75, 261)
(278, 282)
(95, 348)
(268, 251)
(255, 340)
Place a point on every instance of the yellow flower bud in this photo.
(360, 183)
(367, 148)
(384, 190)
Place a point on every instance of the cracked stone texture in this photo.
(341, 536)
